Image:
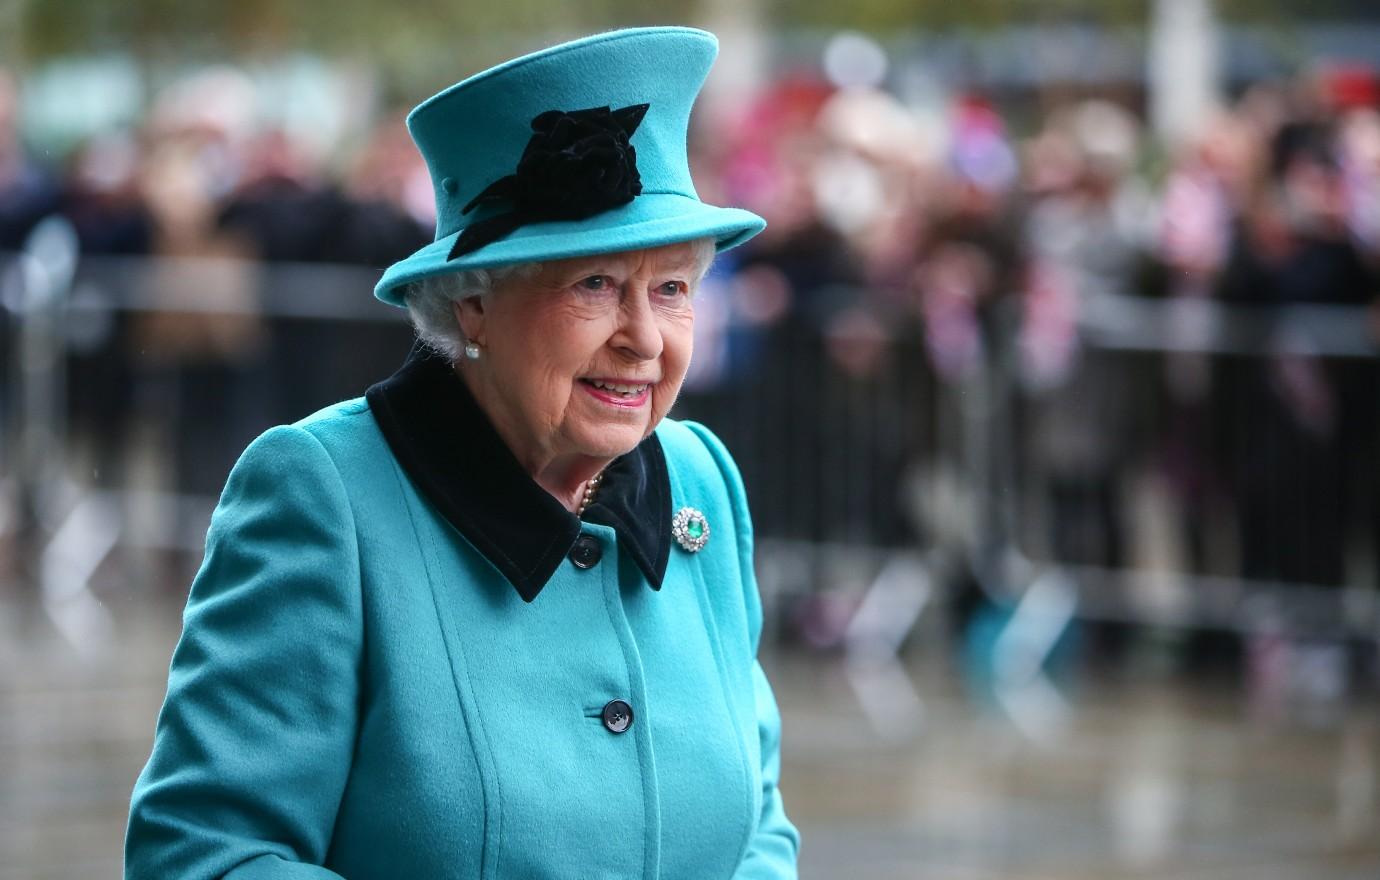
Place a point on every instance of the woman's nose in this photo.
(638, 333)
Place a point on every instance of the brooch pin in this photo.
(691, 529)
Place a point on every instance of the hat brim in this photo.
(650, 220)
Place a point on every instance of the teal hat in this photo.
(575, 150)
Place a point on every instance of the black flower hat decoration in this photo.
(577, 164)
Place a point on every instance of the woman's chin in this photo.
(600, 429)
(609, 440)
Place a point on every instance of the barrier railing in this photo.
(130, 384)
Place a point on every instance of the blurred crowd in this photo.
(917, 261)
(992, 250)
(205, 189)
(200, 176)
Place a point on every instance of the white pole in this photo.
(1183, 68)
(741, 69)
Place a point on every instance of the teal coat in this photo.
(360, 692)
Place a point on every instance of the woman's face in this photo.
(584, 357)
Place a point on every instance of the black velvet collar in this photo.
(451, 451)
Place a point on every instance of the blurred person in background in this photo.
(1086, 238)
(103, 199)
(1360, 152)
(284, 203)
(1203, 196)
(863, 180)
(967, 264)
(387, 181)
(1360, 156)
(790, 278)
(968, 246)
(498, 617)
(102, 195)
(1302, 427)
(279, 201)
(28, 192)
(203, 331)
(289, 211)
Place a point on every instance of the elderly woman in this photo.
(498, 618)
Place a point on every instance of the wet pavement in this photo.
(1144, 777)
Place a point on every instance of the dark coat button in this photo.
(586, 552)
(618, 716)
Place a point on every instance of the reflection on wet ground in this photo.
(1143, 779)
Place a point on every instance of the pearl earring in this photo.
(472, 350)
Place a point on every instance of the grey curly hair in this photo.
(429, 301)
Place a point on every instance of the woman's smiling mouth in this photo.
(617, 393)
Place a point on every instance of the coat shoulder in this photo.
(699, 457)
(340, 444)
(350, 435)
(348, 421)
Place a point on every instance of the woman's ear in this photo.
(469, 314)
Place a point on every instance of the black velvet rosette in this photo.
(577, 164)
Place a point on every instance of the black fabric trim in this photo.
(635, 499)
(447, 446)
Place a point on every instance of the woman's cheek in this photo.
(665, 397)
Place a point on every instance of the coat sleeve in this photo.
(254, 741)
(772, 852)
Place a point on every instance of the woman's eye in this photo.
(674, 288)
(594, 282)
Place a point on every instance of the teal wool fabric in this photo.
(359, 693)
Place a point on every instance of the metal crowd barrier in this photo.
(129, 385)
